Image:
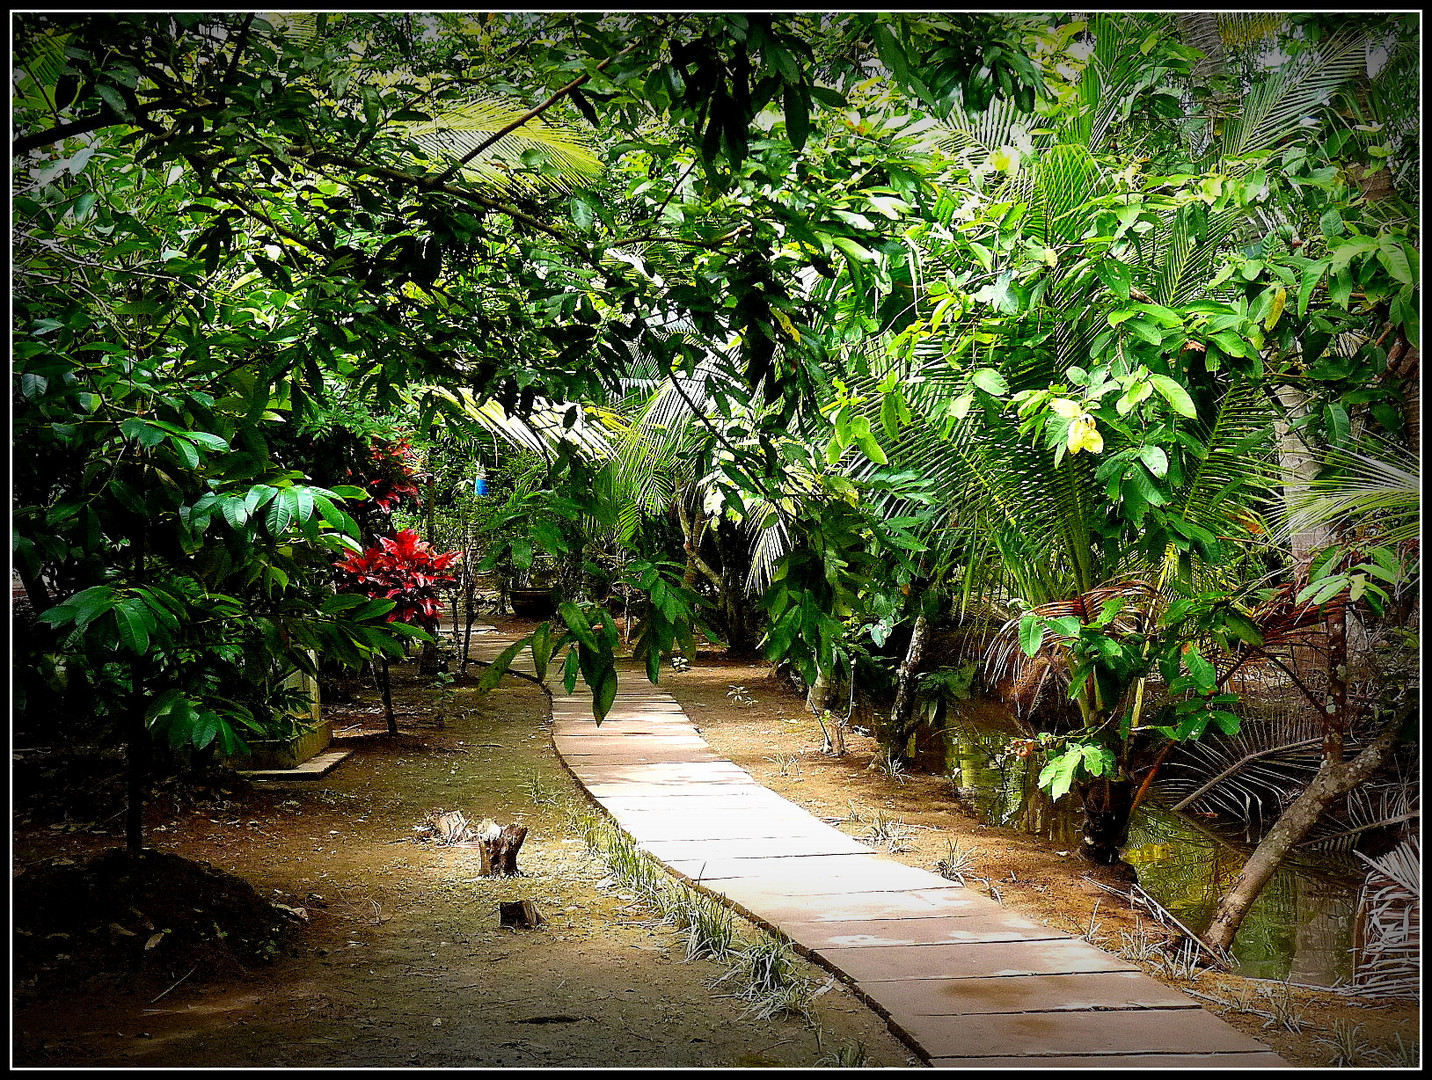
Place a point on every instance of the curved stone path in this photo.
(967, 983)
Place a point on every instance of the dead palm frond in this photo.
(1246, 777)
(1006, 659)
(1390, 952)
(1372, 807)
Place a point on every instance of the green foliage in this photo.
(1078, 761)
(672, 613)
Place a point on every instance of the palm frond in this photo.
(1189, 256)
(1066, 179)
(455, 131)
(1287, 98)
(976, 136)
(1373, 491)
(1245, 29)
(1236, 469)
(542, 431)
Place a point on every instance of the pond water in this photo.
(1302, 926)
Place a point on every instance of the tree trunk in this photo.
(1335, 720)
(137, 750)
(1301, 466)
(385, 686)
(137, 753)
(819, 696)
(734, 550)
(428, 662)
(1333, 780)
(833, 728)
(901, 730)
(1107, 805)
(469, 614)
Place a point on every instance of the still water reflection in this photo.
(1301, 928)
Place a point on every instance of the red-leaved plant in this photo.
(403, 569)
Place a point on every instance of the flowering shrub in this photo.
(403, 569)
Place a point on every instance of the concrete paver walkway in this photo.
(965, 982)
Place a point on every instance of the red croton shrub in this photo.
(403, 569)
(395, 475)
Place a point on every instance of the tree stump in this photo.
(499, 845)
(522, 914)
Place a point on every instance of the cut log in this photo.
(499, 845)
(520, 914)
(447, 828)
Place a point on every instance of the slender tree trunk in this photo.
(1333, 779)
(1336, 718)
(735, 565)
(470, 617)
(819, 696)
(1301, 466)
(901, 729)
(385, 686)
(137, 753)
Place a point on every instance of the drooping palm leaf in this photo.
(1278, 104)
(456, 129)
(454, 132)
(1374, 490)
(543, 430)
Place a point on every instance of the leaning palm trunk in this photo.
(1334, 779)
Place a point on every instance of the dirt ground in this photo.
(394, 956)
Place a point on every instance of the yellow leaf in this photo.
(1070, 410)
(787, 325)
(1280, 298)
(1084, 435)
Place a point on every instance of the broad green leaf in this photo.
(1174, 394)
(340, 602)
(1200, 668)
(990, 381)
(499, 667)
(578, 624)
(1031, 634)
(1057, 776)
(282, 511)
(852, 249)
(1155, 458)
(1393, 257)
(797, 112)
(135, 625)
(603, 694)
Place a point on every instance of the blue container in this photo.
(479, 486)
